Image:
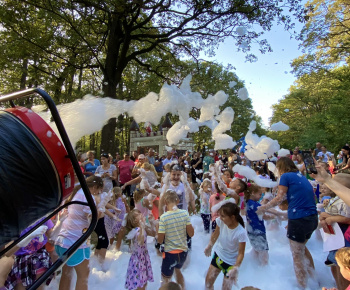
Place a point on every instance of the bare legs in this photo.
(178, 276)
(303, 262)
(212, 274)
(82, 271)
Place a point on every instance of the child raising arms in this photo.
(229, 238)
(205, 191)
(255, 226)
(140, 269)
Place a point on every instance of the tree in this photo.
(325, 37)
(318, 111)
(111, 35)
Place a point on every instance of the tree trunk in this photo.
(92, 141)
(108, 131)
(24, 74)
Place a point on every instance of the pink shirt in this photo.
(125, 168)
(213, 201)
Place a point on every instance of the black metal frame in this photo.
(90, 202)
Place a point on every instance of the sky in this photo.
(269, 78)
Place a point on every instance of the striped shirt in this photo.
(173, 225)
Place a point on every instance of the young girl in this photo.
(142, 203)
(31, 261)
(213, 200)
(205, 191)
(230, 239)
(139, 269)
(114, 227)
(72, 228)
(255, 226)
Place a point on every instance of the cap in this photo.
(141, 156)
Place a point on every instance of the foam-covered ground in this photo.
(279, 274)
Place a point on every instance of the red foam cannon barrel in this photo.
(35, 173)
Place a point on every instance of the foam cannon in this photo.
(36, 174)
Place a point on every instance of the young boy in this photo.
(173, 227)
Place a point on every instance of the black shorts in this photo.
(220, 264)
(300, 230)
(172, 261)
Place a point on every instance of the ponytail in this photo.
(232, 209)
(91, 181)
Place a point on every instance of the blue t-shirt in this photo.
(255, 225)
(300, 195)
(92, 168)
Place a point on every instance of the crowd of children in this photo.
(163, 211)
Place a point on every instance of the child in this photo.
(139, 269)
(114, 227)
(72, 228)
(230, 239)
(343, 259)
(142, 203)
(204, 191)
(174, 226)
(255, 226)
(31, 261)
(213, 200)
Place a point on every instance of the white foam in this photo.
(280, 126)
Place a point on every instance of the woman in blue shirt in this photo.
(302, 215)
(91, 163)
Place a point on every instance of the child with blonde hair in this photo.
(174, 226)
(142, 203)
(113, 226)
(139, 271)
(204, 193)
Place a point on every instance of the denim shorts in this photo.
(77, 258)
(172, 261)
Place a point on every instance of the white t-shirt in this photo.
(75, 224)
(323, 156)
(107, 181)
(226, 246)
(180, 191)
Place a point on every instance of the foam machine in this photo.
(36, 174)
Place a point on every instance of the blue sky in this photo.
(269, 78)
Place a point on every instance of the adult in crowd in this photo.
(91, 163)
(107, 171)
(151, 157)
(135, 156)
(196, 164)
(158, 165)
(324, 155)
(234, 157)
(209, 159)
(168, 159)
(300, 164)
(117, 159)
(344, 166)
(302, 215)
(317, 150)
(138, 165)
(125, 168)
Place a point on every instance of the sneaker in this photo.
(329, 263)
